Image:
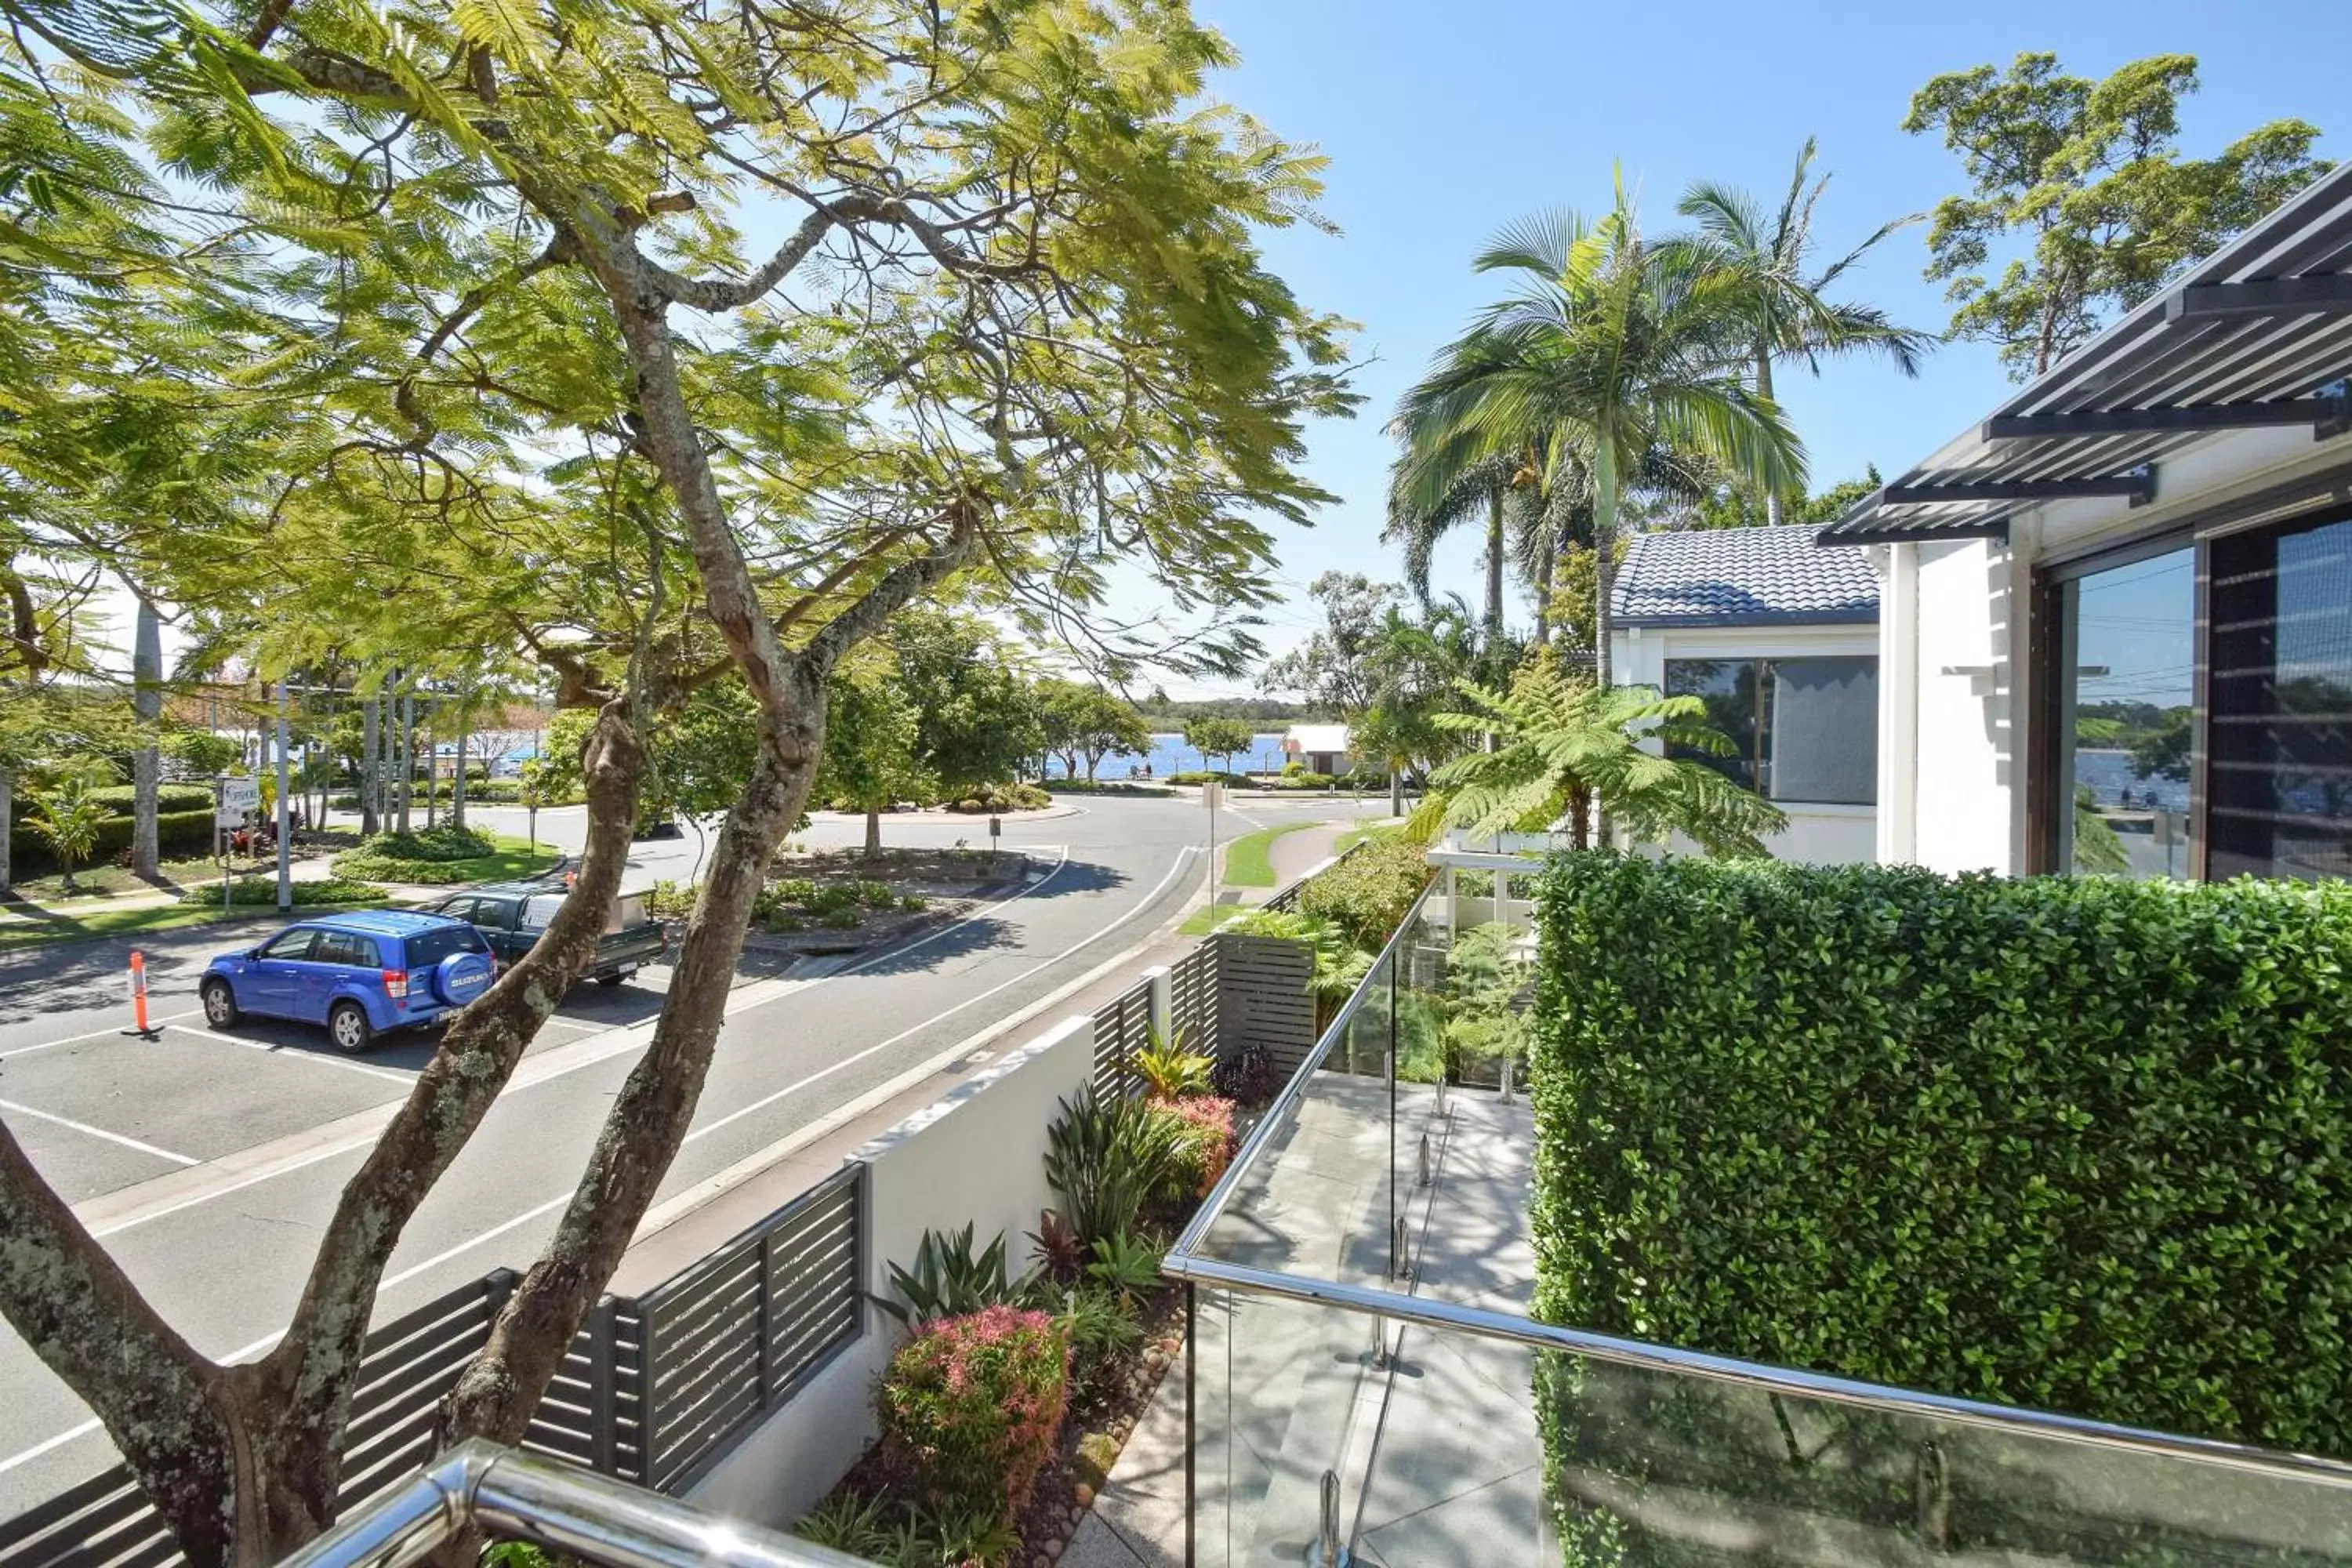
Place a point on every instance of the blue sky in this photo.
(1444, 122)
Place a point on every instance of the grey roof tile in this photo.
(1742, 577)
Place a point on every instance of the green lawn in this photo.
(1248, 863)
(1201, 922)
(34, 925)
(513, 857)
(99, 882)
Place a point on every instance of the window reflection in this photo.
(2126, 718)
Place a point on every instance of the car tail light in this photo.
(395, 984)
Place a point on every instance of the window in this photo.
(346, 948)
(2280, 774)
(2127, 664)
(1805, 730)
(2209, 741)
(427, 948)
(290, 947)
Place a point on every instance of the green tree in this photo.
(1767, 260)
(1081, 720)
(1728, 505)
(1565, 743)
(1610, 350)
(1218, 738)
(870, 750)
(2089, 175)
(69, 821)
(1417, 664)
(1338, 667)
(514, 383)
(979, 719)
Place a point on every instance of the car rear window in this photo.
(428, 948)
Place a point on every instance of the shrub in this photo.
(671, 900)
(1000, 797)
(969, 1407)
(1108, 1158)
(1203, 1131)
(319, 893)
(1196, 777)
(1368, 894)
(123, 799)
(2073, 1143)
(1170, 1071)
(445, 841)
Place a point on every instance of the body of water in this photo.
(2109, 774)
(1169, 754)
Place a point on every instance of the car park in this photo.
(360, 974)
(512, 916)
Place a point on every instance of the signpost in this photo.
(233, 797)
(1213, 795)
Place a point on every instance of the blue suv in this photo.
(360, 974)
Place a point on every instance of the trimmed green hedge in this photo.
(2074, 1143)
(1368, 894)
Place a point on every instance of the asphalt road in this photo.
(208, 1161)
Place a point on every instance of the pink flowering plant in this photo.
(971, 1405)
(1205, 1137)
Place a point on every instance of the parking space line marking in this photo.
(96, 1132)
(403, 1079)
(93, 1035)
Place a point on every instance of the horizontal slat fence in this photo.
(652, 1389)
(739, 1332)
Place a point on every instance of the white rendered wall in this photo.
(977, 1155)
(1970, 783)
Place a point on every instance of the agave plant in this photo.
(950, 1279)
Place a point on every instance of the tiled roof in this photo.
(1742, 577)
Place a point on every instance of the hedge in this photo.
(2080, 1144)
(178, 834)
(1368, 894)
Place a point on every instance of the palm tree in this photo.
(1766, 260)
(70, 819)
(1435, 488)
(1611, 350)
(1566, 742)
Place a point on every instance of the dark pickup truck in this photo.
(511, 915)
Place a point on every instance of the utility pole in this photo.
(147, 761)
(404, 747)
(285, 838)
(371, 773)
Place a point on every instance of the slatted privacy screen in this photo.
(1193, 999)
(106, 1522)
(1262, 996)
(738, 1333)
(1122, 1028)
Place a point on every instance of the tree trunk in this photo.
(1547, 562)
(371, 774)
(147, 761)
(1494, 580)
(1396, 790)
(1764, 390)
(457, 785)
(873, 833)
(498, 1389)
(7, 824)
(403, 754)
(1604, 576)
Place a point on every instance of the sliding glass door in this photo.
(2218, 741)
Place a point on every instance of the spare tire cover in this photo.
(460, 977)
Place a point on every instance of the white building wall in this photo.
(1969, 783)
(1817, 834)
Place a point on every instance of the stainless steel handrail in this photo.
(1428, 1312)
(517, 1495)
(1279, 1113)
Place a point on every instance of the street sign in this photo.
(237, 796)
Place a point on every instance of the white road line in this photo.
(85, 1127)
(297, 1053)
(1183, 856)
(92, 1035)
(532, 1071)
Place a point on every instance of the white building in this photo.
(1321, 748)
(1778, 636)
(2116, 618)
